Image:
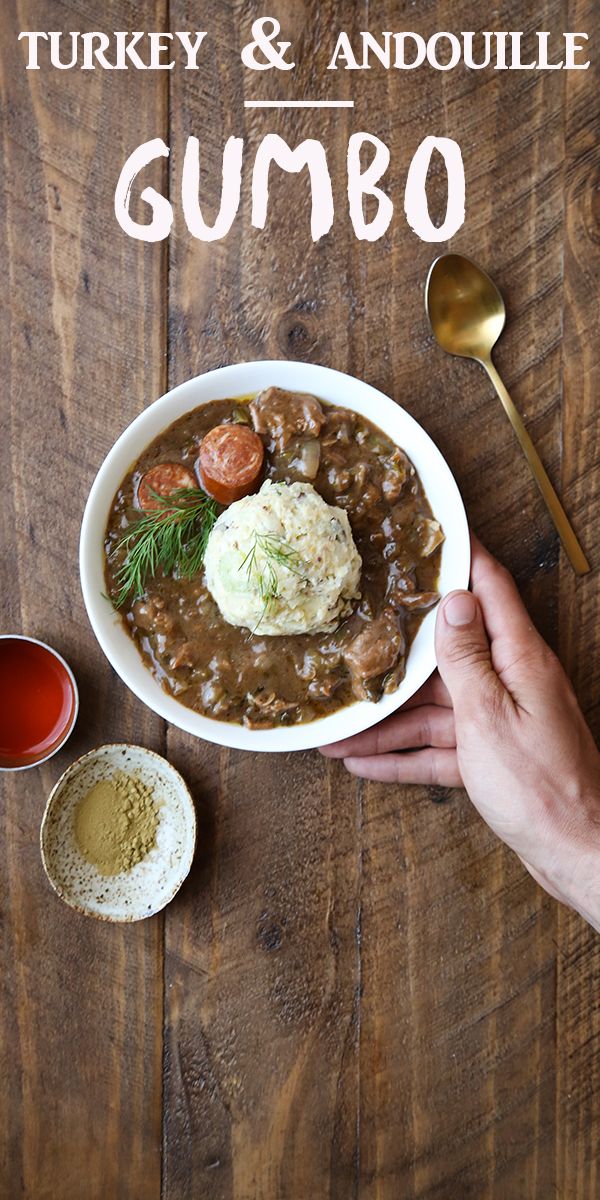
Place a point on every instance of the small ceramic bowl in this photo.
(153, 882)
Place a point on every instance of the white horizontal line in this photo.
(298, 103)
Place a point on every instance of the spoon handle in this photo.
(563, 526)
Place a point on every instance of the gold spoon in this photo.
(467, 316)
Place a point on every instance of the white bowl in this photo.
(240, 379)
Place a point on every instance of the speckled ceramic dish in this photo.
(153, 882)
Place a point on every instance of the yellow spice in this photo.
(116, 823)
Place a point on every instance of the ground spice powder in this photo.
(116, 823)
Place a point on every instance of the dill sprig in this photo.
(275, 552)
(170, 538)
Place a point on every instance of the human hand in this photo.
(500, 718)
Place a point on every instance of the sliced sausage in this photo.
(163, 480)
(230, 462)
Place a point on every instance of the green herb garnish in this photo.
(170, 538)
(276, 552)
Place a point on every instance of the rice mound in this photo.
(283, 561)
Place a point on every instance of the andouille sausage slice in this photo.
(163, 480)
(230, 462)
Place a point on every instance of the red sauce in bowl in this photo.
(38, 702)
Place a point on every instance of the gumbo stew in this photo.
(320, 548)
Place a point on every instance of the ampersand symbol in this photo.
(263, 40)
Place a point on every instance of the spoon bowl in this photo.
(465, 308)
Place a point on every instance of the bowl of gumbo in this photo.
(272, 556)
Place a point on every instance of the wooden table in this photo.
(358, 992)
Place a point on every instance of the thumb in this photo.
(463, 655)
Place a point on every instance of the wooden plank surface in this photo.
(578, 961)
(81, 1000)
(358, 992)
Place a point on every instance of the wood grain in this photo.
(454, 1007)
(261, 1055)
(578, 959)
(81, 1001)
(358, 992)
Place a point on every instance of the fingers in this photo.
(432, 692)
(430, 767)
(427, 725)
(504, 613)
(464, 658)
(516, 645)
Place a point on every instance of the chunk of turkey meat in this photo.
(402, 594)
(374, 652)
(283, 416)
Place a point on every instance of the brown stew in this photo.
(232, 674)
